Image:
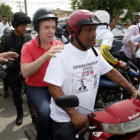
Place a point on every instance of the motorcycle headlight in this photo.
(123, 128)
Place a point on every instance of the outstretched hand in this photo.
(51, 52)
(8, 56)
(121, 11)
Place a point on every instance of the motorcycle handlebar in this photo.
(130, 64)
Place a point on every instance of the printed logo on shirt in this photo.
(84, 80)
(98, 43)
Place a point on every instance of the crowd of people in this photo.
(49, 66)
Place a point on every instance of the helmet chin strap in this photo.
(80, 44)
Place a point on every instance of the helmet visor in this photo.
(47, 16)
(95, 20)
(92, 21)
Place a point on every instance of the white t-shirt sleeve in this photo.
(55, 73)
(135, 38)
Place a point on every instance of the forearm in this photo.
(138, 46)
(105, 51)
(118, 78)
(113, 24)
(29, 69)
(131, 47)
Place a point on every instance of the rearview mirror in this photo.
(67, 101)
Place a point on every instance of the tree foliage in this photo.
(6, 10)
(112, 6)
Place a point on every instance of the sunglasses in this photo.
(4, 19)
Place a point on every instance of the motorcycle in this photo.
(109, 91)
(117, 121)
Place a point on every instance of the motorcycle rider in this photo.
(59, 34)
(35, 58)
(79, 60)
(104, 37)
(13, 41)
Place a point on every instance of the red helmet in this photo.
(78, 19)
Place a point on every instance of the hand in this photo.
(51, 52)
(121, 12)
(79, 120)
(122, 65)
(6, 56)
(134, 94)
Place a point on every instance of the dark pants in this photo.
(40, 98)
(138, 63)
(5, 78)
(15, 82)
(6, 83)
(63, 131)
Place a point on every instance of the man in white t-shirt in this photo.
(104, 37)
(76, 71)
(4, 24)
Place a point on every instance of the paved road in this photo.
(8, 129)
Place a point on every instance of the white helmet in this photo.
(103, 16)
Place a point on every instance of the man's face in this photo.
(21, 29)
(47, 30)
(137, 19)
(87, 35)
(4, 20)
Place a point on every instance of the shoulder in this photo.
(7, 37)
(30, 43)
(109, 34)
(27, 37)
(65, 52)
(57, 42)
(94, 51)
(132, 27)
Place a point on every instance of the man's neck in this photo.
(75, 43)
(4, 23)
(45, 44)
(17, 33)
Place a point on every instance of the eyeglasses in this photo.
(4, 19)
